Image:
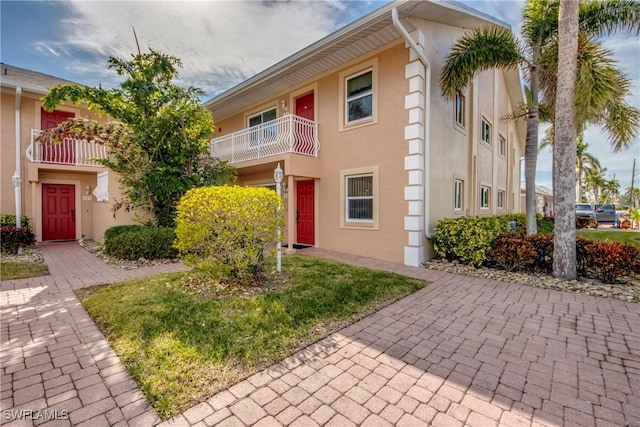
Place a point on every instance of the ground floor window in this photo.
(501, 195)
(458, 186)
(359, 198)
(485, 197)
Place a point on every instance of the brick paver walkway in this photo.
(462, 351)
(54, 361)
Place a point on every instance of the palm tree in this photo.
(594, 181)
(496, 47)
(610, 190)
(564, 148)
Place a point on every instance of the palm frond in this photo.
(598, 18)
(539, 23)
(621, 124)
(481, 49)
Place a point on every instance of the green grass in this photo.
(21, 270)
(630, 237)
(182, 347)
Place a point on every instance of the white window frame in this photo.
(349, 198)
(348, 99)
(485, 131)
(356, 223)
(501, 198)
(458, 195)
(502, 145)
(268, 134)
(485, 191)
(343, 109)
(459, 106)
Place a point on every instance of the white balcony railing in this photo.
(78, 152)
(287, 134)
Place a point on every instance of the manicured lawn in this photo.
(21, 270)
(624, 236)
(183, 341)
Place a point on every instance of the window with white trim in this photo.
(264, 133)
(502, 145)
(485, 197)
(501, 196)
(359, 97)
(459, 108)
(486, 131)
(359, 198)
(458, 188)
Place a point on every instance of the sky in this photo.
(222, 43)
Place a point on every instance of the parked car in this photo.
(585, 210)
(606, 213)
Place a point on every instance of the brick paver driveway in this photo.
(462, 351)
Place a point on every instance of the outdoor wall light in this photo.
(87, 190)
(283, 104)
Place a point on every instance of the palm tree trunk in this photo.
(564, 149)
(530, 160)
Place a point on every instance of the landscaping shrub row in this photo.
(486, 240)
(138, 241)
(606, 261)
(9, 220)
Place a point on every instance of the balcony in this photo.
(75, 152)
(287, 134)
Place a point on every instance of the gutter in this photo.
(427, 119)
(17, 178)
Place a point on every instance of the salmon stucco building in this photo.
(372, 155)
(62, 189)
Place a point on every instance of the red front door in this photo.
(304, 140)
(57, 153)
(58, 212)
(304, 212)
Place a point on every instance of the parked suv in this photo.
(585, 210)
(606, 213)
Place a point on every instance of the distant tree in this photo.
(610, 190)
(159, 143)
(594, 181)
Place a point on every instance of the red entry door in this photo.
(304, 140)
(58, 212)
(304, 213)
(57, 153)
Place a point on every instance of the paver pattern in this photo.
(462, 351)
(56, 366)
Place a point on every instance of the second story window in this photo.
(264, 133)
(486, 131)
(459, 108)
(502, 145)
(359, 97)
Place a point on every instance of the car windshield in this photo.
(582, 207)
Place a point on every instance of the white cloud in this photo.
(220, 43)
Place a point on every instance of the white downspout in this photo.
(17, 178)
(427, 118)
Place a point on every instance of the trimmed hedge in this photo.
(467, 239)
(607, 261)
(137, 241)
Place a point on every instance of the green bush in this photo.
(226, 230)
(584, 222)
(9, 220)
(136, 241)
(13, 238)
(467, 239)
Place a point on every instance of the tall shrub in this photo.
(228, 230)
(467, 239)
